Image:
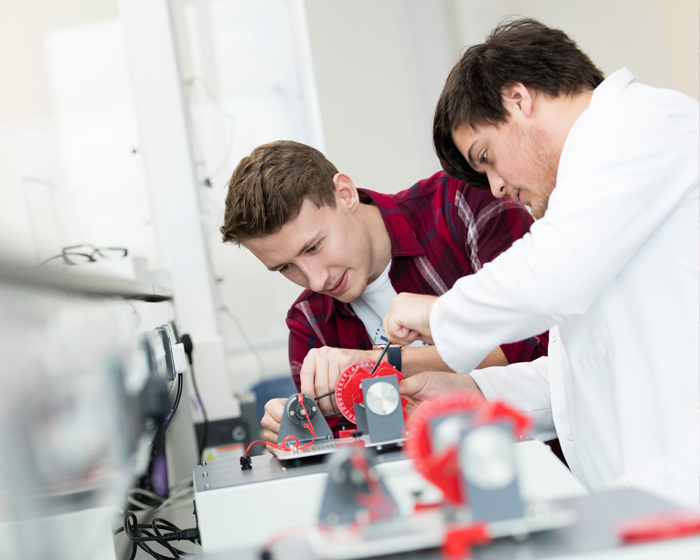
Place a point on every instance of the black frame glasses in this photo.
(86, 252)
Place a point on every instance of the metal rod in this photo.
(380, 358)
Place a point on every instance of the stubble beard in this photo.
(537, 147)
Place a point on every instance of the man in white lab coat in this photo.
(610, 169)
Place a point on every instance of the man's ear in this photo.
(518, 100)
(346, 191)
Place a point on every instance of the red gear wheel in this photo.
(442, 468)
(348, 390)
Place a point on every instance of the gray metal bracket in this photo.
(293, 419)
(383, 409)
(354, 490)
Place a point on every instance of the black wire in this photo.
(205, 426)
(164, 543)
(141, 533)
(177, 401)
(164, 427)
(205, 423)
(329, 393)
(376, 364)
(170, 526)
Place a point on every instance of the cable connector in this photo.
(188, 534)
(246, 463)
(179, 535)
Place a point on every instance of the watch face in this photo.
(486, 456)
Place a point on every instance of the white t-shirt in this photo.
(374, 304)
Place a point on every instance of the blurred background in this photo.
(122, 120)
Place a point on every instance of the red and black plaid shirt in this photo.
(441, 229)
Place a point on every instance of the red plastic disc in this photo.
(348, 390)
(442, 467)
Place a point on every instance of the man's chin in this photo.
(346, 297)
(538, 211)
(349, 295)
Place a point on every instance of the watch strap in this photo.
(393, 356)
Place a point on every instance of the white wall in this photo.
(380, 65)
(656, 39)
(67, 123)
(376, 91)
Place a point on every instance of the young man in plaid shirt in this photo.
(354, 250)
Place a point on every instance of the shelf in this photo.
(99, 286)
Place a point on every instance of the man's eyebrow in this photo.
(305, 247)
(470, 157)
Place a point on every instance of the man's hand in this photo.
(423, 386)
(322, 368)
(272, 420)
(409, 319)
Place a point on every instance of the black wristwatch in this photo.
(393, 356)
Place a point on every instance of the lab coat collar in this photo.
(612, 85)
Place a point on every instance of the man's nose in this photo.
(497, 184)
(316, 275)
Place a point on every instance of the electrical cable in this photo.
(147, 493)
(174, 500)
(376, 364)
(176, 403)
(308, 425)
(189, 351)
(161, 431)
(142, 533)
(177, 496)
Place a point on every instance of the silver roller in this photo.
(382, 398)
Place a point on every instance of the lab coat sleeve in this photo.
(525, 386)
(614, 188)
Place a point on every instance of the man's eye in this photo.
(283, 269)
(313, 249)
(484, 157)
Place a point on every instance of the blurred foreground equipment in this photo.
(78, 408)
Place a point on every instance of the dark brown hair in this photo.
(524, 51)
(268, 188)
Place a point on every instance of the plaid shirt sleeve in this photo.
(308, 329)
(485, 229)
(302, 336)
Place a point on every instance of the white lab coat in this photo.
(613, 266)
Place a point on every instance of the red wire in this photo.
(308, 425)
(283, 447)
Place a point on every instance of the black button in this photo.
(361, 346)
